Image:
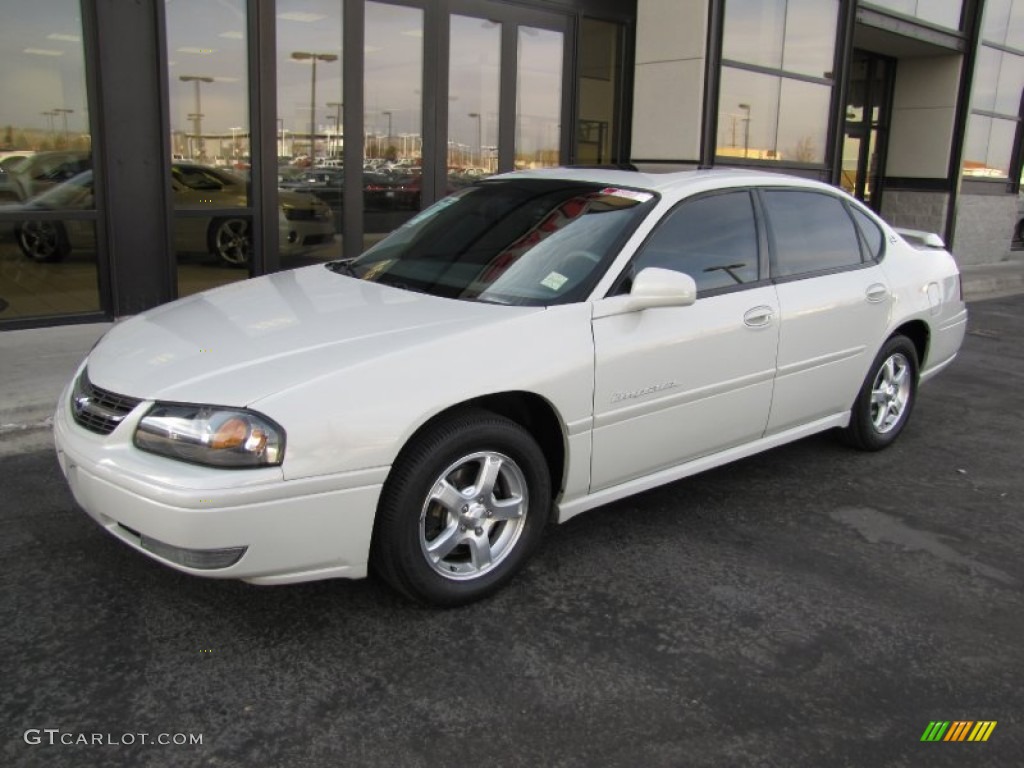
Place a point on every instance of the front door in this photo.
(866, 126)
(675, 384)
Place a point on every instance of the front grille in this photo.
(96, 409)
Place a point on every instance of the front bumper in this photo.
(285, 531)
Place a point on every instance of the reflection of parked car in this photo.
(41, 171)
(304, 221)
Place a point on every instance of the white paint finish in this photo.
(667, 30)
(923, 115)
(351, 369)
(674, 384)
(830, 334)
(673, 91)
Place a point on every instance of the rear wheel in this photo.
(463, 509)
(886, 398)
(43, 241)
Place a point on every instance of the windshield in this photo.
(509, 241)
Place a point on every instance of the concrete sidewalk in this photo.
(35, 364)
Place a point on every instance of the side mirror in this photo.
(653, 287)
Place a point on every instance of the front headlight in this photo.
(211, 435)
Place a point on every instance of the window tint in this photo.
(713, 239)
(812, 232)
(872, 234)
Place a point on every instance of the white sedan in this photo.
(537, 345)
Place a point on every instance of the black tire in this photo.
(1019, 232)
(230, 240)
(479, 551)
(43, 241)
(886, 398)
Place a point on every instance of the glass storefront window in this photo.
(998, 80)
(538, 98)
(988, 149)
(474, 75)
(207, 51)
(791, 35)
(600, 52)
(942, 13)
(392, 118)
(47, 260)
(768, 117)
(1003, 23)
(310, 131)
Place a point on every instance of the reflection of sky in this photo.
(312, 26)
(539, 90)
(474, 81)
(42, 66)
(797, 36)
(393, 68)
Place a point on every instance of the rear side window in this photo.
(872, 234)
(713, 239)
(812, 232)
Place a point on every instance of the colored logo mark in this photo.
(958, 730)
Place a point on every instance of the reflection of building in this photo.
(913, 105)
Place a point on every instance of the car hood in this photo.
(242, 342)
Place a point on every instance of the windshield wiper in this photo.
(342, 267)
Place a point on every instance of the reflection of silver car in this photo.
(304, 220)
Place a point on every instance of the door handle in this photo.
(758, 317)
(876, 293)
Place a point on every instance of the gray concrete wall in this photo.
(915, 209)
(984, 228)
(668, 92)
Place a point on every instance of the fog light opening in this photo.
(200, 559)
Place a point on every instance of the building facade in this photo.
(154, 149)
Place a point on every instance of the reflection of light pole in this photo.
(234, 140)
(50, 114)
(64, 113)
(388, 113)
(280, 136)
(197, 116)
(746, 129)
(479, 138)
(337, 122)
(313, 58)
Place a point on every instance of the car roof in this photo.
(674, 182)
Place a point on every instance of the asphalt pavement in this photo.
(811, 606)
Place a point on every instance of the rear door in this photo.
(835, 303)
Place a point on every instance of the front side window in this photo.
(713, 239)
(525, 241)
(812, 233)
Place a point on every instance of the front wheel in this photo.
(43, 241)
(886, 398)
(464, 507)
(230, 241)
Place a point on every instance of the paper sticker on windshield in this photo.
(554, 281)
(629, 194)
